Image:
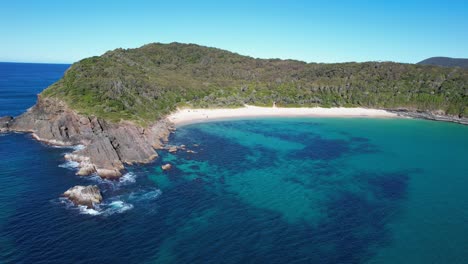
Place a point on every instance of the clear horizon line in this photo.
(35, 62)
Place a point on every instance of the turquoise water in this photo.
(275, 190)
(342, 190)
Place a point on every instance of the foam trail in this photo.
(145, 195)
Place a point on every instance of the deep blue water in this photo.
(322, 190)
(21, 82)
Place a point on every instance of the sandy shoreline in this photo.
(188, 116)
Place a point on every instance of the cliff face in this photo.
(108, 146)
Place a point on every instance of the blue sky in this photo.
(313, 31)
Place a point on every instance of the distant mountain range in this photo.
(445, 62)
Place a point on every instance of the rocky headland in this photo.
(107, 146)
(117, 105)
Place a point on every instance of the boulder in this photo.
(111, 174)
(84, 195)
(166, 166)
(173, 149)
(86, 170)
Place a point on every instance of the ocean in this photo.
(270, 190)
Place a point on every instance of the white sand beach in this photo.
(188, 116)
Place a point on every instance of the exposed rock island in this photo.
(116, 105)
(88, 196)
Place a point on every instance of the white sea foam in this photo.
(69, 164)
(78, 147)
(74, 147)
(104, 209)
(117, 207)
(89, 211)
(128, 178)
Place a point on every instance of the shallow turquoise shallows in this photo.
(273, 190)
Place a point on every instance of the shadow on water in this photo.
(224, 153)
(353, 227)
(319, 148)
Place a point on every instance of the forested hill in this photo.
(146, 83)
(445, 62)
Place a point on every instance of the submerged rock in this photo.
(166, 166)
(84, 195)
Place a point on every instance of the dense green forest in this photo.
(146, 83)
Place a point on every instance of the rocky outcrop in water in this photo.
(5, 123)
(435, 115)
(84, 195)
(108, 146)
(173, 149)
(166, 166)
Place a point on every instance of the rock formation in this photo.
(173, 149)
(166, 166)
(108, 146)
(84, 195)
(5, 123)
(430, 115)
